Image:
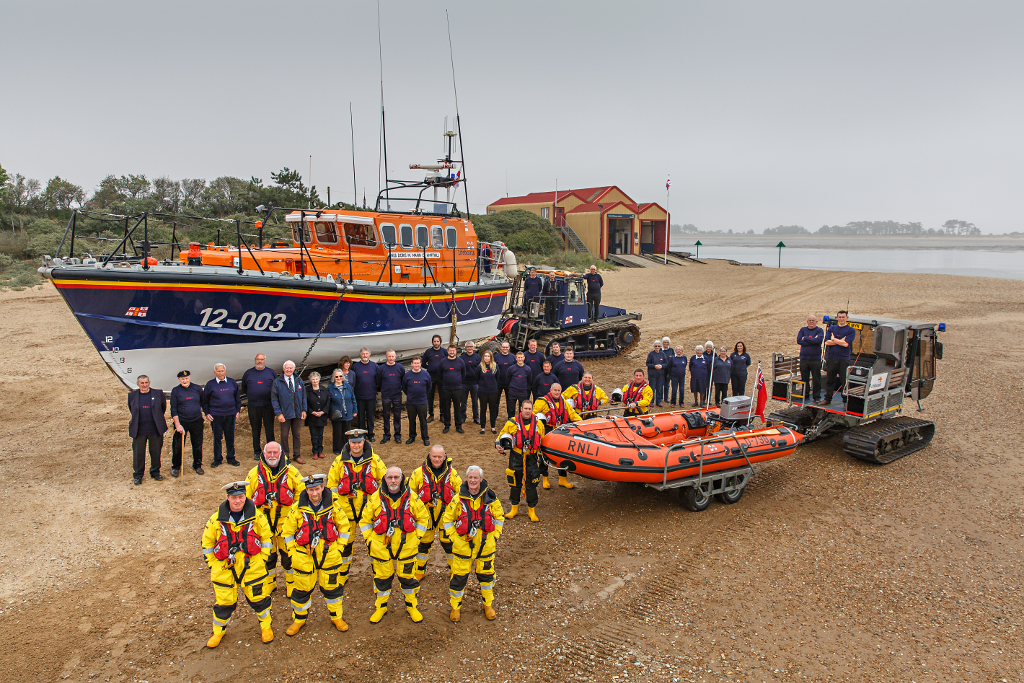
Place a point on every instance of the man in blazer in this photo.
(147, 427)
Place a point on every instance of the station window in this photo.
(421, 237)
(451, 235)
(326, 232)
(405, 236)
(436, 237)
(359, 235)
(387, 232)
(545, 212)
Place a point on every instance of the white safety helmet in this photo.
(616, 395)
(571, 403)
(506, 441)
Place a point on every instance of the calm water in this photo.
(1002, 264)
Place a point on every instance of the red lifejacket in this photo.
(587, 400)
(436, 491)
(231, 541)
(270, 490)
(526, 442)
(312, 529)
(353, 482)
(559, 412)
(470, 519)
(634, 392)
(400, 519)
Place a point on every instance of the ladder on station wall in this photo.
(573, 239)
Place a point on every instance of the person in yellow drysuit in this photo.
(236, 543)
(314, 534)
(436, 484)
(556, 411)
(586, 396)
(393, 522)
(474, 522)
(520, 437)
(354, 476)
(636, 395)
(273, 486)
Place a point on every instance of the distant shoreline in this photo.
(979, 242)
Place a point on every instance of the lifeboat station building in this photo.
(605, 219)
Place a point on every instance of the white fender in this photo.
(511, 269)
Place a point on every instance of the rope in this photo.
(456, 306)
(485, 309)
(302, 363)
(425, 313)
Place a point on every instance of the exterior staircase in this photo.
(572, 238)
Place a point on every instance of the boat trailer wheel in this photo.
(695, 498)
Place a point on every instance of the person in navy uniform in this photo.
(431, 362)
(556, 356)
(453, 374)
(699, 376)
(520, 382)
(569, 371)
(417, 385)
(542, 382)
(810, 338)
(389, 383)
(288, 397)
(222, 403)
(594, 284)
(504, 360)
(721, 375)
(656, 372)
(838, 341)
(366, 392)
(487, 378)
(677, 376)
(532, 286)
(187, 415)
(256, 383)
(534, 360)
(740, 362)
(147, 427)
(666, 350)
(470, 388)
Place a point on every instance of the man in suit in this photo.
(289, 400)
(147, 427)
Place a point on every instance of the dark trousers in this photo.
(508, 398)
(392, 408)
(739, 385)
(366, 408)
(293, 427)
(223, 425)
(520, 477)
(417, 411)
(155, 443)
(514, 403)
(338, 438)
(678, 385)
(657, 382)
(450, 404)
(261, 418)
(835, 376)
(593, 305)
(489, 401)
(721, 391)
(470, 395)
(810, 373)
(435, 390)
(316, 439)
(194, 432)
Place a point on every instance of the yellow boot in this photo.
(339, 624)
(266, 634)
(489, 613)
(414, 614)
(533, 515)
(215, 639)
(295, 627)
(454, 616)
(420, 575)
(545, 483)
(513, 510)
(564, 482)
(378, 614)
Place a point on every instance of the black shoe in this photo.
(426, 442)
(411, 439)
(175, 473)
(445, 430)
(387, 437)
(430, 418)
(215, 463)
(482, 430)
(460, 430)
(198, 470)
(157, 476)
(234, 463)
(476, 421)
(370, 438)
(137, 481)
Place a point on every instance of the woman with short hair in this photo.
(343, 408)
(699, 376)
(318, 409)
(721, 374)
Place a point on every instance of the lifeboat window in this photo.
(451, 234)
(405, 233)
(421, 237)
(326, 233)
(360, 235)
(387, 231)
(305, 238)
(436, 237)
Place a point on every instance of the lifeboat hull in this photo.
(661, 448)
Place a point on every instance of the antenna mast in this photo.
(352, 128)
(458, 122)
(383, 124)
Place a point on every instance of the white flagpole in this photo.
(668, 215)
(711, 379)
(757, 388)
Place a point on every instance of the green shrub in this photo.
(44, 226)
(20, 274)
(45, 243)
(5, 261)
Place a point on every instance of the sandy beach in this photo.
(828, 569)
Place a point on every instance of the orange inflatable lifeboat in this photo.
(663, 449)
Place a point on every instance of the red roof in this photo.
(602, 207)
(586, 194)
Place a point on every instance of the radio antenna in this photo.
(352, 129)
(458, 123)
(383, 124)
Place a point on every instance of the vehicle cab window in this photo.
(575, 292)
(304, 237)
(358, 235)
(326, 232)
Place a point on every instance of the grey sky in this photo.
(763, 113)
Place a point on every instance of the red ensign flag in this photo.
(760, 393)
